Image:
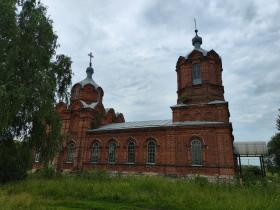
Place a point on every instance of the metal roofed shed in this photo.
(250, 148)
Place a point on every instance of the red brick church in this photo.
(197, 140)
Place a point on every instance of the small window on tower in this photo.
(196, 75)
(76, 92)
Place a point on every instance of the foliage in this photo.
(95, 174)
(278, 122)
(274, 151)
(14, 159)
(200, 180)
(47, 172)
(32, 79)
(252, 175)
(184, 98)
(273, 158)
(135, 192)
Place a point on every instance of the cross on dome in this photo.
(90, 57)
(197, 40)
(195, 26)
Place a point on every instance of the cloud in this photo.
(137, 43)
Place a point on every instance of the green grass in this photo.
(99, 191)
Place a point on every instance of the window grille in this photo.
(131, 152)
(37, 157)
(196, 74)
(151, 152)
(112, 152)
(76, 92)
(95, 152)
(70, 152)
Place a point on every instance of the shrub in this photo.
(252, 175)
(15, 159)
(46, 172)
(94, 174)
(183, 98)
(200, 180)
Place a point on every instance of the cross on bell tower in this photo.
(195, 26)
(90, 57)
(197, 40)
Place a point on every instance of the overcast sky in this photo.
(136, 44)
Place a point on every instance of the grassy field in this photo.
(100, 191)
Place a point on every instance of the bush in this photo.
(252, 175)
(200, 180)
(15, 159)
(94, 174)
(47, 172)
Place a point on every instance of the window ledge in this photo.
(130, 163)
(150, 163)
(68, 162)
(195, 165)
(197, 84)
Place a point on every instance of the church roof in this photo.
(210, 102)
(197, 42)
(91, 105)
(117, 114)
(88, 79)
(108, 109)
(151, 124)
(204, 52)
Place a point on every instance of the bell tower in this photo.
(87, 90)
(200, 90)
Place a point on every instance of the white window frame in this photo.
(95, 152)
(196, 71)
(131, 150)
(112, 157)
(153, 153)
(70, 158)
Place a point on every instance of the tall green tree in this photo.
(32, 79)
(278, 122)
(274, 149)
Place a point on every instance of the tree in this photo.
(274, 149)
(32, 79)
(278, 122)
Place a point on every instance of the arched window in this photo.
(70, 152)
(151, 152)
(112, 152)
(131, 152)
(95, 152)
(196, 152)
(37, 157)
(76, 92)
(196, 75)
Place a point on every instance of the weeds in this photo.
(99, 190)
